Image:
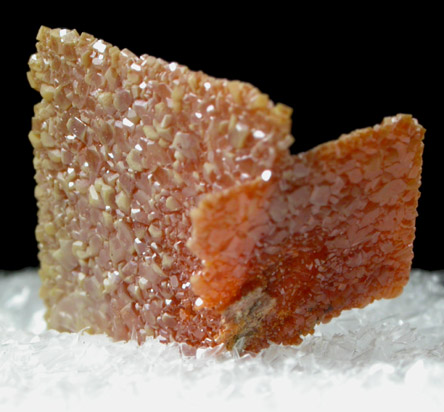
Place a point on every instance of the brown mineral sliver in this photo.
(130, 151)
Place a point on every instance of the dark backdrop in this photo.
(339, 69)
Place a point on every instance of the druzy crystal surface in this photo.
(170, 206)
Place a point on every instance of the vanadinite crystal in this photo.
(170, 206)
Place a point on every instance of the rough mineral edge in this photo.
(127, 147)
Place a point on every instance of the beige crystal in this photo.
(170, 206)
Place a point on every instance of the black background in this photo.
(339, 70)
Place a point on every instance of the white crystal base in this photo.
(388, 355)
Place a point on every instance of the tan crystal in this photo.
(170, 206)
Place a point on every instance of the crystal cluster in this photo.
(170, 206)
(332, 231)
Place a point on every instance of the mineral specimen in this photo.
(170, 206)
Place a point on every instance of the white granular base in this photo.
(389, 355)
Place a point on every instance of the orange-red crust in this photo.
(331, 230)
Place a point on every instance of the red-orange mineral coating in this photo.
(170, 206)
(333, 230)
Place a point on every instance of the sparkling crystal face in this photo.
(170, 206)
(331, 230)
(124, 148)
